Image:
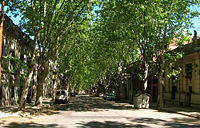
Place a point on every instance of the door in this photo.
(173, 92)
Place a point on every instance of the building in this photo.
(17, 50)
(185, 89)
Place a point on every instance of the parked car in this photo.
(110, 96)
(61, 96)
(72, 94)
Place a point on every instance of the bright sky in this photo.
(196, 21)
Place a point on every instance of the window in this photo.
(188, 70)
(62, 92)
(155, 79)
(173, 92)
(190, 89)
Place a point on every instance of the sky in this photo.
(195, 21)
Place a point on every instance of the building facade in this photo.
(185, 90)
(17, 50)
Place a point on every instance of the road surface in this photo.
(94, 112)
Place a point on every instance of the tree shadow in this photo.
(86, 103)
(11, 109)
(30, 125)
(110, 124)
(48, 109)
(174, 123)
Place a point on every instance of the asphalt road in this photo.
(94, 112)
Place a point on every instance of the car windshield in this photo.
(58, 93)
(62, 92)
(111, 94)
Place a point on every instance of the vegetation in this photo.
(92, 42)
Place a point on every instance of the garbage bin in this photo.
(141, 100)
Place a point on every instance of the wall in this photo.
(15, 44)
(187, 88)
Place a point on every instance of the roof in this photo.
(175, 45)
(189, 48)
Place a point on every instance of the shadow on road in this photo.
(110, 124)
(30, 125)
(143, 123)
(174, 123)
(9, 109)
(87, 103)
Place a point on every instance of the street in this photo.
(93, 112)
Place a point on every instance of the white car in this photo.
(61, 96)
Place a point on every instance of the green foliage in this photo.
(87, 45)
(149, 25)
(18, 65)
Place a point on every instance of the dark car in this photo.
(72, 94)
(110, 96)
(61, 96)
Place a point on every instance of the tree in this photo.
(47, 22)
(151, 26)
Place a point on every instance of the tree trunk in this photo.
(39, 94)
(146, 77)
(42, 73)
(25, 91)
(160, 92)
(161, 73)
(161, 85)
(53, 90)
(34, 85)
(1, 96)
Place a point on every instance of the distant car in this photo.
(109, 96)
(61, 96)
(72, 94)
(101, 95)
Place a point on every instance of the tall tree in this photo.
(47, 22)
(151, 25)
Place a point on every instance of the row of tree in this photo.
(89, 39)
(141, 31)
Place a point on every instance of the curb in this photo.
(198, 117)
(189, 115)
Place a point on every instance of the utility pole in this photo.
(1, 41)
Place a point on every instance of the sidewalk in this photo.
(48, 107)
(11, 111)
(30, 109)
(187, 111)
(8, 113)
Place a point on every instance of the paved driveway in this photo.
(94, 112)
